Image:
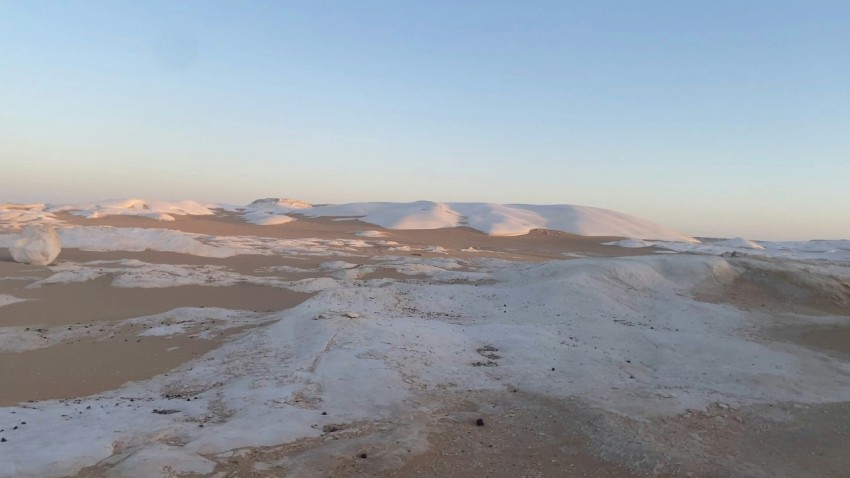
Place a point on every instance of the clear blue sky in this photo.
(717, 118)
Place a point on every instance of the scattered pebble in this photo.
(479, 422)
(332, 428)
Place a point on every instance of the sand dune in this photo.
(492, 219)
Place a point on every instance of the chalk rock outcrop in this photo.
(39, 245)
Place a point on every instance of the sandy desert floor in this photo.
(206, 346)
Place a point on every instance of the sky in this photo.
(721, 119)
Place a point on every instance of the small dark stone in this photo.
(15, 427)
(628, 361)
(364, 455)
(479, 422)
(2, 440)
(553, 369)
(23, 423)
(324, 413)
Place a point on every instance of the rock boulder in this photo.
(39, 245)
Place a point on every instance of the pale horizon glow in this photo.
(717, 120)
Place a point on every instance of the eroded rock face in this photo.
(39, 246)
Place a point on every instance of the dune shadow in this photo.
(5, 256)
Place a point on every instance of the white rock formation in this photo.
(39, 246)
